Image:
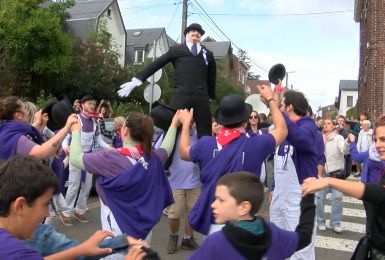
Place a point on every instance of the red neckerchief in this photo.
(226, 135)
(135, 152)
(92, 115)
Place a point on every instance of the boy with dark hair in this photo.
(238, 197)
(26, 188)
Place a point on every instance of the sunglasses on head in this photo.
(255, 117)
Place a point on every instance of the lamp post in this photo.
(287, 79)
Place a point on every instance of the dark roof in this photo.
(348, 85)
(140, 38)
(81, 28)
(85, 9)
(171, 41)
(220, 49)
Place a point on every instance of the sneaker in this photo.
(189, 243)
(80, 217)
(66, 221)
(172, 244)
(165, 212)
(357, 175)
(321, 227)
(338, 230)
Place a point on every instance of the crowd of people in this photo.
(215, 178)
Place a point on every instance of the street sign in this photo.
(155, 93)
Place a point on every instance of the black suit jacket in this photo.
(194, 75)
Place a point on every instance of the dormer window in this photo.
(139, 57)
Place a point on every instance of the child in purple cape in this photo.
(238, 198)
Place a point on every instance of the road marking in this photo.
(346, 199)
(353, 227)
(332, 243)
(349, 212)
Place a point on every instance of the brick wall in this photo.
(372, 57)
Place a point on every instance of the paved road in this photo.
(329, 245)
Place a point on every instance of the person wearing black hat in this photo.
(231, 150)
(195, 73)
(90, 138)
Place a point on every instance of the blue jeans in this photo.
(336, 211)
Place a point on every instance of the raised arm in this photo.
(76, 155)
(280, 131)
(50, 147)
(357, 156)
(169, 140)
(185, 117)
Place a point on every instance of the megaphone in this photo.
(276, 73)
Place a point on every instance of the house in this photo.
(98, 16)
(140, 44)
(232, 66)
(253, 83)
(371, 83)
(347, 96)
(327, 111)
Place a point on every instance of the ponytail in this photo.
(141, 129)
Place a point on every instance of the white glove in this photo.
(127, 87)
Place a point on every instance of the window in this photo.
(349, 101)
(109, 13)
(139, 56)
(137, 33)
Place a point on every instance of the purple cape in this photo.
(10, 132)
(227, 160)
(138, 196)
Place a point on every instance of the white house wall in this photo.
(343, 101)
(115, 27)
(162, 47)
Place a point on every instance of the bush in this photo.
(124, 108)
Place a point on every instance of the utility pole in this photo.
(184, 21)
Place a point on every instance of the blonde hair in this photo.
(32, 109)
(120, 120)
(366, 122)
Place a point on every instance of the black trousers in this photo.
(202, 111)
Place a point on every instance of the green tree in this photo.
(252, 76)
(352, 113)
(33, 45)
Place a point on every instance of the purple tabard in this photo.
(227, 160)
(10, 132)
(138, 196)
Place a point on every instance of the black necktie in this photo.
(194, 49)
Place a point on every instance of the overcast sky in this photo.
(316, 39)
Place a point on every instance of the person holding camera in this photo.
(104, 109)
(335, 149)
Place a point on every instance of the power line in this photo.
(281, 15)
(257, 64)
(201, 15)
(173, 16)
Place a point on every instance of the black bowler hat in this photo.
(162, 115)
(194, 26)
(276, 73)
(232, 110)
(86, 98)
(58, 111)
